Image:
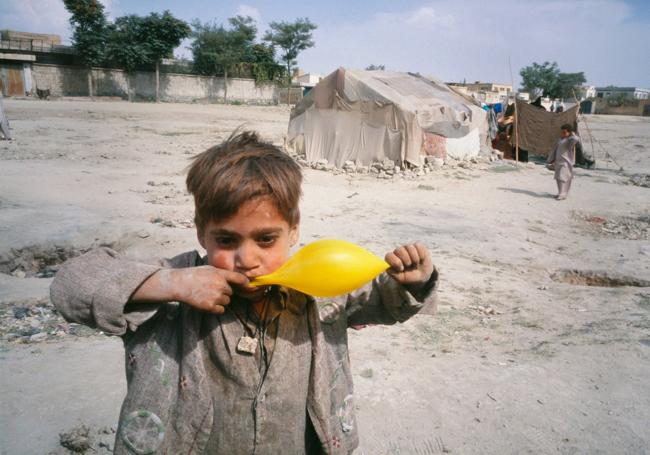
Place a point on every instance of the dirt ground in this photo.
(542, 339)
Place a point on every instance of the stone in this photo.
(19, 273)
(38, 337)
(20, 312)
(388, 164)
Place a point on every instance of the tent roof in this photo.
(438, 108)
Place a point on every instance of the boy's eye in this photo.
(225, 242)
(267, 240)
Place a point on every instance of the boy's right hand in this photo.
(205, 288)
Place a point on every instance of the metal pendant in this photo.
(247, 345)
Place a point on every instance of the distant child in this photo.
(213, 365)
(562, 160)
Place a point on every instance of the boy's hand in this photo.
(206, 288)
(410, 265)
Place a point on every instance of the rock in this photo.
(76, 440)
(435, 162)
(322, 162)
(38, 337)
(20, 312)
(388, 164)
(30, 331)
(397, 169)
(18, 273)
(374, 170)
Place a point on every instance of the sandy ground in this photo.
(517, 360)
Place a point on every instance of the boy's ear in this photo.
(294, 234)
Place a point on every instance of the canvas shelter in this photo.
(368, 116)
(539, 129)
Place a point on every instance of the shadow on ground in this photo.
(529, 193)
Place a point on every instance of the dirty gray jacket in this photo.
(93, 289)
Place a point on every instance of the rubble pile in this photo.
(387, 169)
(623, 227)
(640, 180)
(35, 321)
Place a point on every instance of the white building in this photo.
(308, 79)
(627, 92)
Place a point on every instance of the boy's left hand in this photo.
(410, 265)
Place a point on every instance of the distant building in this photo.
(523, 96)
(501, 89)
(627, 92)
(484, 92)
(308, 80)
(588, 92)
(19, 50)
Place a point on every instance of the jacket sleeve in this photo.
(93, 289)
(384, 301)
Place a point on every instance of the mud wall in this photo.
(72, 81)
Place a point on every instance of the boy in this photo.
(562, 160)
(234, 369)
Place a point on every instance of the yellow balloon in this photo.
(326, 268)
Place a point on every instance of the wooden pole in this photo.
(516, 115)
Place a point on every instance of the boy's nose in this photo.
(246, 259)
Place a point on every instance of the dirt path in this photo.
(536, 347)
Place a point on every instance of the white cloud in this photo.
(474, 39)
(246, 10)
(110, 7)
(36, 16)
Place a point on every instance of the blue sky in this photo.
(451, 39)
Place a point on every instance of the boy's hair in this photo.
(226, 176)
(567, 127)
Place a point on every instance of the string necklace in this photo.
(248, 342)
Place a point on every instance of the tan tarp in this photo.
(538, 129)
(367, 116)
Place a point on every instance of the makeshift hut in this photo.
(369, 116)
(538, 129)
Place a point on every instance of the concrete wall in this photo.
(72, 81)
(636, 107)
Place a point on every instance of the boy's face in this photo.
(254, 241)
(565, 133)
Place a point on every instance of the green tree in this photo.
(89, 33)
(547, 80)
(162, 33)
(264, 67)
(127, 46)
(216, 48)
(540, 79)
(291, 38)
(569, 84)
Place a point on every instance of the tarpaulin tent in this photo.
(368, 116)
(538, 129)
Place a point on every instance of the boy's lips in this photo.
(252, 292)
